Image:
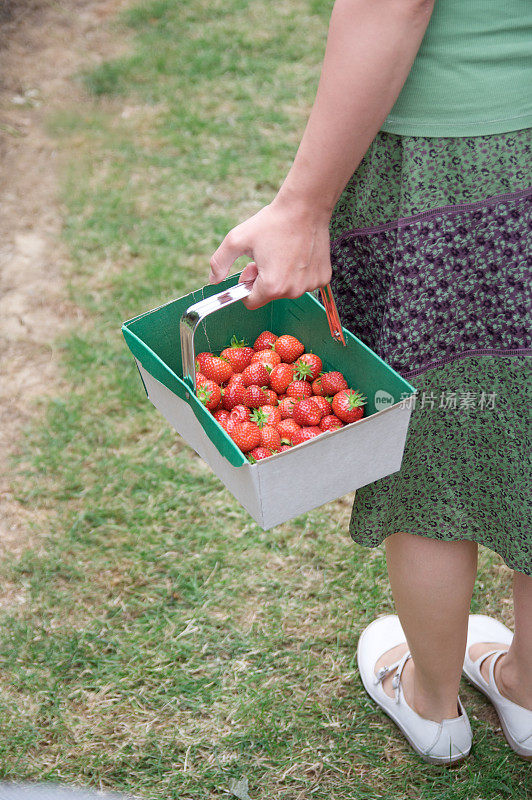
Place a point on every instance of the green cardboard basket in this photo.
(280, 487)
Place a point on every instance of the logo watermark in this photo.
(383, 399)
(465, 400)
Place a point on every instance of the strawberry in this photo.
(269, 437)
(216, 369)
(266, 415)
(233, 395)
(330, 423)
(287, 428)
(289, 348)
(256, 374)
(317, 388)
(333, 382)
(255, 396)
(210, 394)
(307, 413)
(236, 379)
(246, 436)
(348, 405)
(286, 407)
(323, 403)
(238, 355)
(281, 397)
(305, 434)
(284, 447)
(240, 413)
(299, 390)
(200, 379)
(258, 453)
(222, 416)
(308, 367)
(281, 376)
(267, 357)
(200, 360)
(265, 341)
(272, 397)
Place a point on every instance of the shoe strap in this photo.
(480, 660)
(492, 682)
(396, 680)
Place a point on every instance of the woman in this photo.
(410, 190)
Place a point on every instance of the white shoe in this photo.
(516, 721)
(443, 742)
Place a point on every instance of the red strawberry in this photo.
(284, 447)
(272, 397)
(200, 379)
(265, 341)
(246, 436)
(317, 388)
(210, 394)
(289, 348)
(256, 374)
(236, 378)
(238, 355)
(255, 396)
(222, 416)
(299, 390)
(216, 369)
(348, 405)
(331, 423)
(305, 434)
(308, 367)
(307, 413)
(269, 437)
(281, 376)
(233, 395)
(281, 397)
(240, 413)
(258, 453)
(323, 403)
(267, 357)
(333, 382)
(266, 415)
(287, 428)
(286, 407)
(200, 360)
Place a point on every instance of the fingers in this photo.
(249, 273)
(224, 257)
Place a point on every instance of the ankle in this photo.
(511, 684)
(435, 708)
(430, 702)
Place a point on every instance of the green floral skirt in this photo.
(431, 254)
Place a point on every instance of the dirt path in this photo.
(42, 45)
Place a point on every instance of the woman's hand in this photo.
(290, 247)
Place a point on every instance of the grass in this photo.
(164, 644)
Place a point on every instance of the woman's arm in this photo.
(371, 45)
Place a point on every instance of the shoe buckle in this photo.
(383, 671)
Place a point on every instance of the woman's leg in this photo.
(432, 583)
(513, 672)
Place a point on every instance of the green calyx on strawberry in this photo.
(308, 367)
(210, 394)
(259, 417)
(348, 405)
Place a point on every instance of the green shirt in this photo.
(472, 74)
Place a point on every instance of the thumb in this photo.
(224, 257)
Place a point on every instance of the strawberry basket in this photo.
(164, 341)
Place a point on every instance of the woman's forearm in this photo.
(371, 45)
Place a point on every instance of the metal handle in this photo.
(194, 315)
